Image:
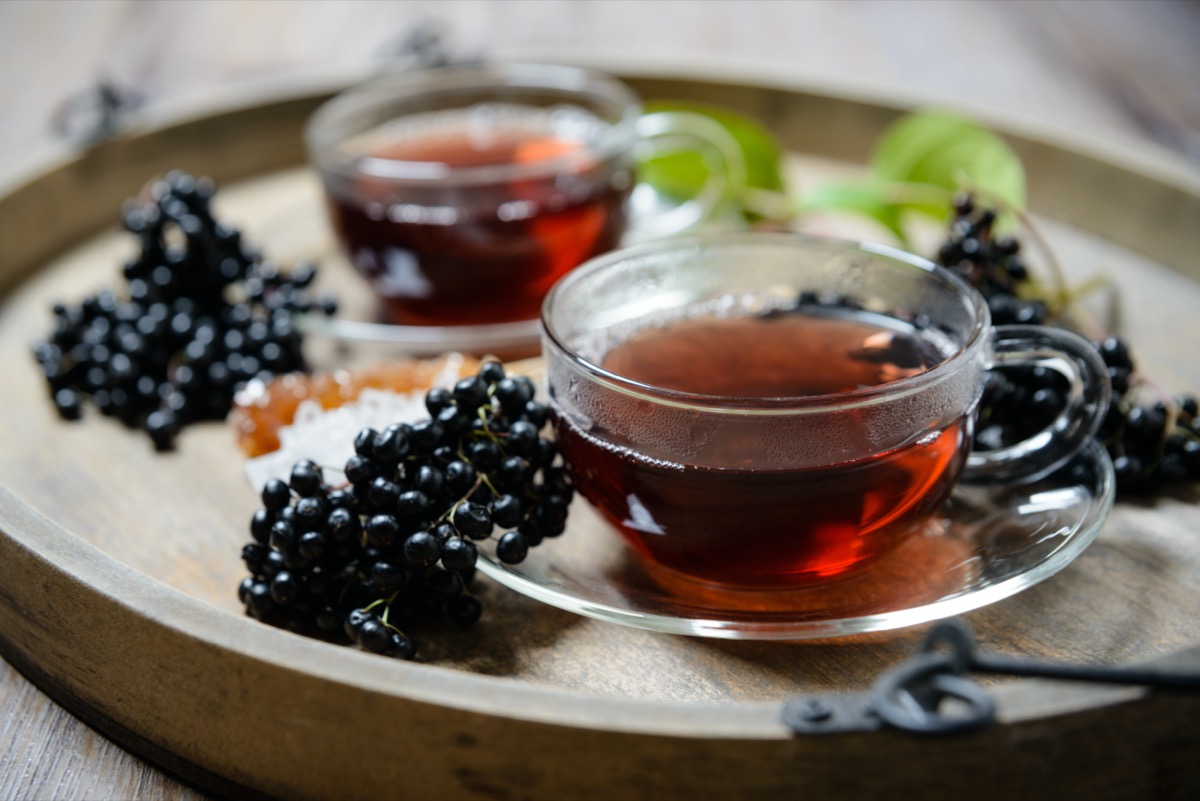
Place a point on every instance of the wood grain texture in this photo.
(53, 755)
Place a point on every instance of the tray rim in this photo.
(305, 89)
(54, 551)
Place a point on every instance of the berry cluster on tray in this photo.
(201, 314)
(395, 545)
(1152, 445)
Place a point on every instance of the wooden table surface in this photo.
(1120, 72)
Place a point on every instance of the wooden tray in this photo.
(118, 566)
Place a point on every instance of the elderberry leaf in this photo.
(681, 174)
(866, 199)
(944, 150)
(918, 165)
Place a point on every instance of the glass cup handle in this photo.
(665, 132)
(1088, 397)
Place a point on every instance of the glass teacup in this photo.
(464, 193)
(766, 410)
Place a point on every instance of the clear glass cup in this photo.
(668, 366)
(464, 193)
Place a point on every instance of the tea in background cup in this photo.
(765, 410)
(463, 194)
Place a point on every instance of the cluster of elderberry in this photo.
(1152, 446)
(395, 546)
(202, 314)
(990, 263)
(1017, 403)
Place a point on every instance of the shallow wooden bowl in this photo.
(118, 566)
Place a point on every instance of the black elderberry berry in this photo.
(283, 536)
(454, 419)
(244, 589)
(258, 600)
(484, 455)
(254, 555)
(373, 636)
(472, 520)
(383, 494)
(1144, 428)
(544, 454)
(458, 554)
(310, 511)
(66, 401)
(537, 414)
(421, 550)
(506, 510)
(470, 393)
(1044, 406)
(342, 524)
(510, 393)
(522, 438)
(512, 548)
(460, 477)
(414, 507)
(1129, 471)
(342, 498)
(364, 443)
(430, 480)
(354, 621)
(392, 443)
(427, 435)
(1115, 353)
(272, 564)
(383, 530)
(436, 400)
(306, 479)
(491, 372)
(359, 469)
(260, 525)
(275, 494)
(401, 646)
(285, 588)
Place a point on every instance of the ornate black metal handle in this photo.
(912, 696)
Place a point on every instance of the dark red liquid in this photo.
(477, 253)
(753, 527)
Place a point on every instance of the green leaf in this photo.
(866, 199)
(919, 163)
(944, 150)
(681, 175)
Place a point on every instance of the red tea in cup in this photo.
(753, 524)
(485, 251)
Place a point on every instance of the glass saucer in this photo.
(509, 340)
(988, 543)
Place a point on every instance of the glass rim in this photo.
(322, 137)
(803, 404)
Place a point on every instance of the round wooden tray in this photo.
(118, 567)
